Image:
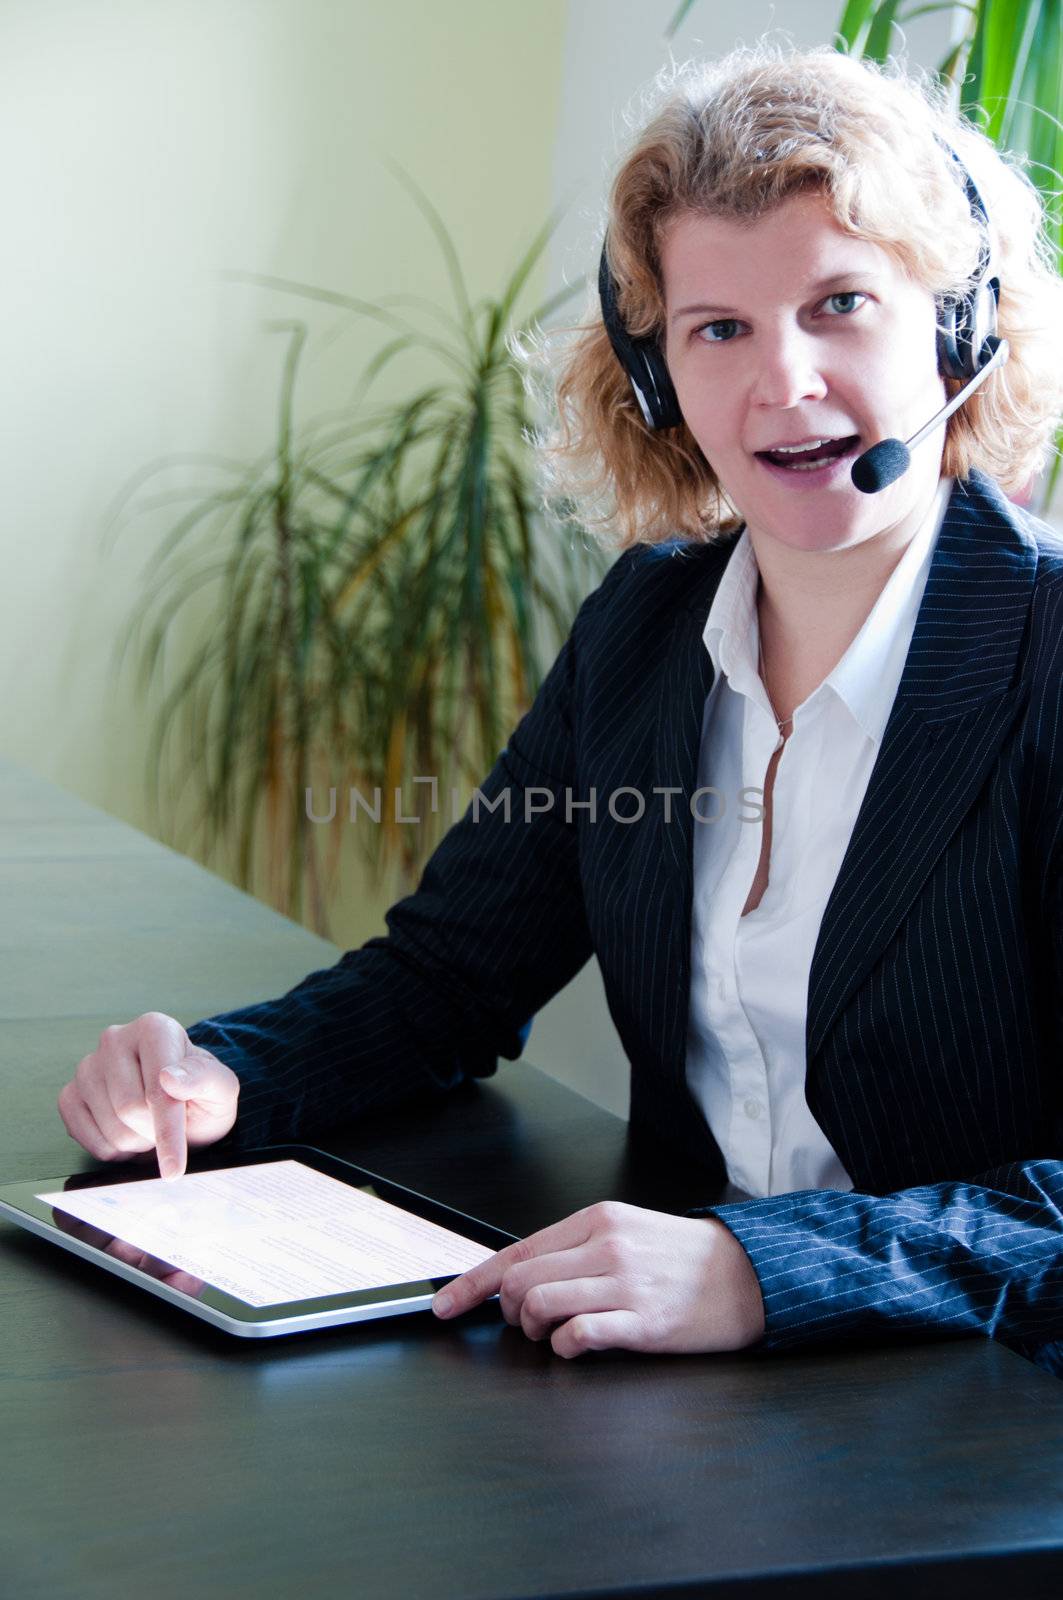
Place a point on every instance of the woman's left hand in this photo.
(615, 1276)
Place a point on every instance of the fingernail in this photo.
(180, 1073)
(168, 1167)
(442, 1305)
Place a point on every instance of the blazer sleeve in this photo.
(495, 928)
(979, 1256)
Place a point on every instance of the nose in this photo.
(786, 370)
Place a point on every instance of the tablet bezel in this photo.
(18, 1204)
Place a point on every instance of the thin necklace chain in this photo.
(760, 669)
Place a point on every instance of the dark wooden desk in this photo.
(414, 1460)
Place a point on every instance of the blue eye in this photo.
(848, 294)
(733, 322)
(729, 322)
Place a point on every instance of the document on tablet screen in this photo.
(273, 1232)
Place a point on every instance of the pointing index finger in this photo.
(170, 1138)
(461, 1294)
(168, 1114)
(485, 1280)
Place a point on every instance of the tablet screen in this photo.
(275, 1231)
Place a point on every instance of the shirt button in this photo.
(752, 1108)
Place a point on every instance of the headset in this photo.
(966, 333)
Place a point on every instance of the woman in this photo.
(844, 1004)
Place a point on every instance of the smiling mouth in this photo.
(814, 456)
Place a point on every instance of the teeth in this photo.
(790, 449)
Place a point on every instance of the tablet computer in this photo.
(269, 1241)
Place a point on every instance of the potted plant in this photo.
(369, 603)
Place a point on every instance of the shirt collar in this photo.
(868, 674)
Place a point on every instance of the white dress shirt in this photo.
(745, 1061)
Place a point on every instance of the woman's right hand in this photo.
(146, 1086)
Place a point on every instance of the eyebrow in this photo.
(868, 275)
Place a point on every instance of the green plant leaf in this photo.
(446, 244)
(678, 20)
(856, 20)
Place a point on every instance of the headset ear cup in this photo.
(641, 359)
(659, 390)
(984, 321)
(964, 326)
(950, 356)
(962, 338)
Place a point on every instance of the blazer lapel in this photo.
(958, 696)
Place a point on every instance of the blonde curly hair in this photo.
(734, 138)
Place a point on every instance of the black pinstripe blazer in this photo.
(934, 1018)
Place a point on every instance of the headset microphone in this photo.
(885, 462)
